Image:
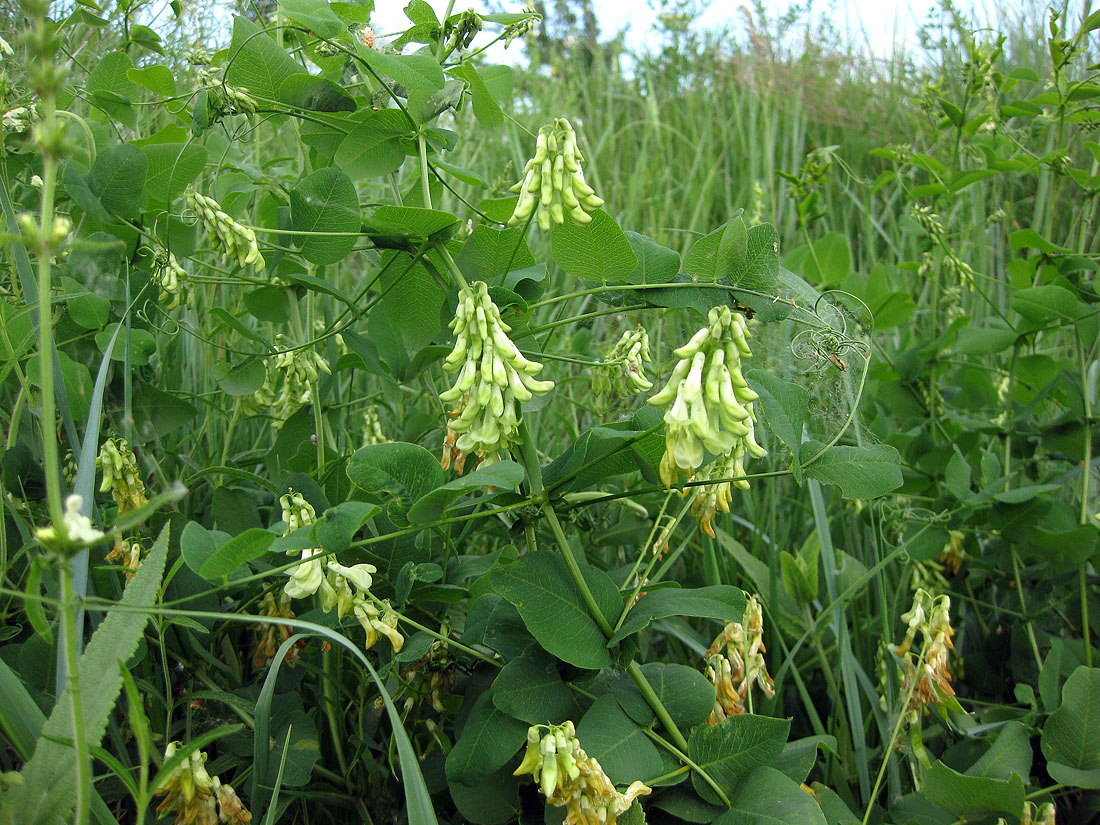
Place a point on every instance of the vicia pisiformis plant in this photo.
(553, 183)
(710, 404)
(493, 378)
(355, 253)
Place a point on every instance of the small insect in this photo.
(747, 311)
(836, 360)
(196, 704)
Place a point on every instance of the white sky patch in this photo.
(879, 26)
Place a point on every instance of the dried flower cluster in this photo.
(196, 797)
(734, 670)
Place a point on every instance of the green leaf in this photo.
(488, 740)
(617, 743)
(656, 264)
(1009, 754)
(338, 526)
(375, 146)
(412, 297)
(687, 694)
(417, 72)
(489, 254)
(828, 261)
(411, 223)
(240, 379)
(721, 602)
(1043, 304)
(715, 256)
(48, 792)
(315, 15)
(486, 108)
(758, 267)
(770, 798)
(406, 470)
(325, 201)
(117, 178)
(317, 94)
(171, 167)
(249, 545)
(505, 475)
(597, 252)
(734, 748)
(784, 406)
(1071, 736)
(531, 689)
(1030, 239)
(966, 796)
(800, 756)
(256, 63)
(860, 472)
(142, 344)
(551, 606)
(158, 79)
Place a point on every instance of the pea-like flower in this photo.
(121, 475)
(288, 387)
(345, 588)
(568, 777)
(553, 181)
(493, 379)
(622, 373)
(735, 662)
(168, 275)
(930, 683)
(710, 404)
(236, 240)
(77, 527)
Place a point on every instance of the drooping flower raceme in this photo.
(930, 617)
(345, 588)
(168, 273)
(709, 401)
(236, 240)
(121, 475)
(568, 777)
(622, 373)
(553, 181)
(735, 662)
(196, 797)
(492, 379)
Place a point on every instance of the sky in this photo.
(880, 24)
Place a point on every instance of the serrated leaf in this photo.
(48, 792)
(597, 252)
(324, 202)
(721, 602)
(860, 472)
(551, 606)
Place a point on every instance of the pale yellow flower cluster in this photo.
(622, 373)
(568, 777)
(493, 379)
(710, 404)
(347, 589)
(553, 181)
(196, 797)
(930, 616)
(121, 475)
(236, 240)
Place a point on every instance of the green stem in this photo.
(425, 188)
(328, 688)
(1086, 477)
(80, 742)
(452, 266)
(45, 330)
